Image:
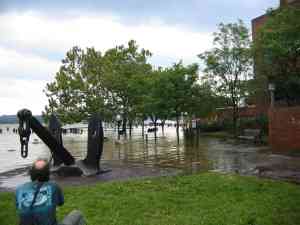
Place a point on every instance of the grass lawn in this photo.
(206, 198)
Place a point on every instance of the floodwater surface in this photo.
(189, 155)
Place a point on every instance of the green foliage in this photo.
(121, 81)
(124, 78)
(263, 123)
(229, 64)
(207, 199)
(156, 104)
(211, 127)
(277, 50)
(204, 100)
(259, 122)
(89, 82)
(171, 92)
(77, 91)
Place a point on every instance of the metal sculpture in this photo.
(95, 143)
(56, 131)
(53, 139)
(27, 123)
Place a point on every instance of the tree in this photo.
(124, 67)
(229, 64)
(204, 101)
(277, 54)
(169, 92)
(179, 93)
(77, 91)
(89, 82)
(156, 101)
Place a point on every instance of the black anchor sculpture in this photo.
(53, 139)
(56, 131)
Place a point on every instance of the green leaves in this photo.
(121, 81)
(89, 82)
(229, 64)
(277, 50)
(230, 61)
(76, 90)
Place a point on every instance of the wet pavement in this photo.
(144, 157)
(279, 167)
(112, 172)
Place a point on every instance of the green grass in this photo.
(207, 198)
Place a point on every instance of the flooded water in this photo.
(190, 154)
(140, 156)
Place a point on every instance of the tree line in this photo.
(121, 81)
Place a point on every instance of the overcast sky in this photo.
(35, 35)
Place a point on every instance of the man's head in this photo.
(40, 171)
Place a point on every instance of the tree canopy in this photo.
(120, 81)
(277, 51)
(77, 91)
(229, 64)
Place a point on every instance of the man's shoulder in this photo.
(53, 184)
(30, 184)
(24, 186)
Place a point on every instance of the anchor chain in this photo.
(24, 131)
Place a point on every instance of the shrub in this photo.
(211, 127)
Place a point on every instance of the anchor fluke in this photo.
(27, 122)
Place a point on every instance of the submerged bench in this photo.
(252, 135)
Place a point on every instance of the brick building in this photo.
(259, 21)
(284, 122)
(262, 97)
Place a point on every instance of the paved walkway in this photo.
(277, 167)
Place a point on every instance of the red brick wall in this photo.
(289, 2)
(284, 129)
(258, 23)
(248, 111)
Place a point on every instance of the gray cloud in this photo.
(194, 14)
(35, 35)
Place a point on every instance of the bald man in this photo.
(36, 201)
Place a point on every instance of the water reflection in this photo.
(190, 155)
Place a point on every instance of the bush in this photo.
(263, 122)
(211, 127)
(260, 122)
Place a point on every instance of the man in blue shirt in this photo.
(36, 201)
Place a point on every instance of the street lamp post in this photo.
(271, 88)
(119, 120)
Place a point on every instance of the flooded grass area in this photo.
(139, 156)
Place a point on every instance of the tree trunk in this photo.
(155, 126)
(124, 126)
(163, 127)
(130, 128)
(235, 120)
(143, 128)
(177, 128)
